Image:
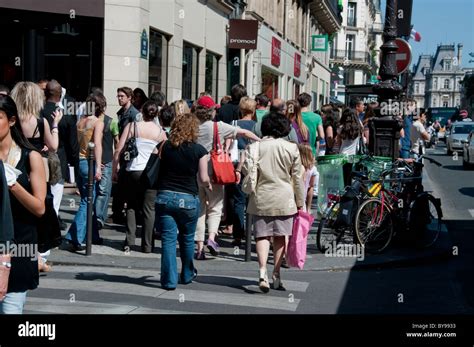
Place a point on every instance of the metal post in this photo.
(384, 129)
(248, 237)
(90, 202)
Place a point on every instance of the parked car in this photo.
(459, 131)
(468, 151)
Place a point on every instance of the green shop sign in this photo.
(319, 43)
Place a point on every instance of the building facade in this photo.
(177, 46)
(355, 49)
(283, 64)
(437, 79)
(418, 85)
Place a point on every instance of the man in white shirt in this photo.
(418, 134)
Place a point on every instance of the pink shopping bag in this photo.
(296, 254)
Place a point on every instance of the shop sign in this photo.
(243, 34)
(319, 43)
(297, 71)
(276, 51)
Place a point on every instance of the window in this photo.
(446, 83)
(435, 83)
(270, 83)
(190, 72)
(350, 46)
(435, 102)
(351, 14)
(445, 103)
(212, 68)
(348, 77)
(158, 65)
(447, 65)
(417, 88)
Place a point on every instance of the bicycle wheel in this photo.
(374, 225)
(326, 235)
(424, 220)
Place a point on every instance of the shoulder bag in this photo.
(221, 163)
(249, 183)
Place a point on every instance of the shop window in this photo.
(269, 83)
(212, 73)
(190, 72)
(158, 62)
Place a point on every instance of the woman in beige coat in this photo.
(278, 195)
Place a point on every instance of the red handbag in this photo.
(221, 163)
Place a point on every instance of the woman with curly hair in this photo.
(183, 162)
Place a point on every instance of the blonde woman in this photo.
(181, 107)
(30, 99)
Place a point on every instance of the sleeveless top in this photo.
(145, 149)
(24, 273)
(38, 142)
(84, 136)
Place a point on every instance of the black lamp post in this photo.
(385, 128)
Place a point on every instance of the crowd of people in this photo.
(35, 133)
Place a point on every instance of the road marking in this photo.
(152, 289)
(471, 212)
(37, 305)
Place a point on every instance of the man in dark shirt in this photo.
(127, 113)
(68, 148)
(231, 111)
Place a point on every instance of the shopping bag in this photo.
(296, 254)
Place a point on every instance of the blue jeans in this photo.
(78, 230)
(103, 189)
(13, 303)
(405, 153)
(239, 199)
(176, 211)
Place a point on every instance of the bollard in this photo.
(90, 202)
(248, 237)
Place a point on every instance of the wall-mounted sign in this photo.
(144, 45)
(243, 34)
(319, 43)
(276, 51)
(297, 70)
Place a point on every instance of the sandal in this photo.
(277, 283)
(263, 282)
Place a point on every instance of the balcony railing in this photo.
(351, 56)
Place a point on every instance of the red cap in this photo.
(206, 101)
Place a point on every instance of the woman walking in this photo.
(138, 197)
(279, 193)
(183, 161)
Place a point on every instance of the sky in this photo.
(442, 21)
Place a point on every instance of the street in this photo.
(130, 284)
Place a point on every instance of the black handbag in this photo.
(362, 147)
(150, 174)
(130, 150)
(49, 231)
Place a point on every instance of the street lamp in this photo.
(385, 128)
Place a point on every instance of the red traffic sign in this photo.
(403, 55)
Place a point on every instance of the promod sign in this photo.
(243, 34)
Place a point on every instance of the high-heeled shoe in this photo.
(263, 282)
(277, 283)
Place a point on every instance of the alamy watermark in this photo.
(341, 250)
(22, 250)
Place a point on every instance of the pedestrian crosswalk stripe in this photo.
(291, 286)
(255, 301)
(36, 305)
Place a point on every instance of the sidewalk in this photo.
(230, 258)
